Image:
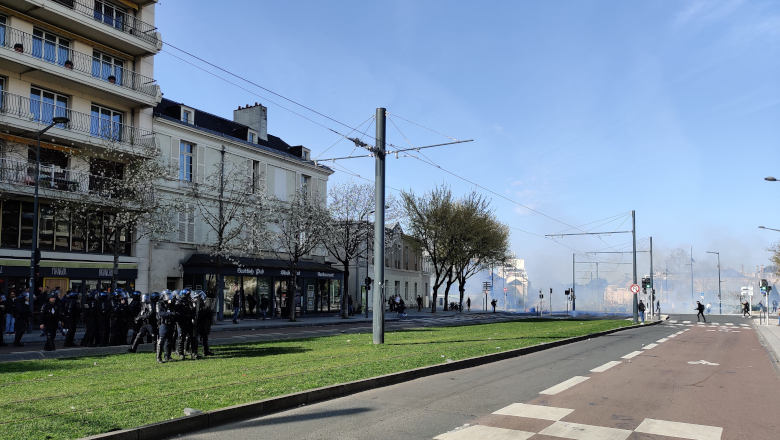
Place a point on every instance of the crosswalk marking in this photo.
(565, 385)
(481, 432)
(605, 367)
(686, 322)
(680, 430)
(578, 431)
(728, 323)
(534, 411)
(632, 354)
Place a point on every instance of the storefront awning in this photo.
(207, 264)
(68, 269)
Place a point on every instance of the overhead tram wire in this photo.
(343, 137)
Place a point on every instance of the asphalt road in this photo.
(657, 391)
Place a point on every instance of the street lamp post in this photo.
(33, 260)
(771, 229)
(720, 308)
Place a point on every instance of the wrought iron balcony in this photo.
(100, 130)
(111, 16)
(69, 182)
(69, 59)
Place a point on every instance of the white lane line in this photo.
(534, 411)
(632, 354)
(728, 323)
(681, 325)
(480, 432)
(686, 322)
(649, 346)
(689, 325)
(578, 431)
(565, 385)
(680, 332)
(680, 430)
(674, 321)
(605, 367)
(714, 323)
(672, 336)
(662, 340)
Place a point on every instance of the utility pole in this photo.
(633, 233)
(598, 287)
(692, 298)
(379, 229)
(573, 282)
(652, 286)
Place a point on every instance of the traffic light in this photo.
(764, 285)
(368, 283)
(652, 295)
(550, 290)
(567, 292)
(646, 283)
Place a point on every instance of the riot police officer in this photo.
(91, 313)
(166, 318)
(147, 318)
(22, 308)
(104, 318)
(70, 314)
(134, 308)
(50, 316)
(184, 323)
(3, 311)
(119, 318)
(204, 314)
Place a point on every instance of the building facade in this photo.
(91, 61)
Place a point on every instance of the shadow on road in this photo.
(281, 419)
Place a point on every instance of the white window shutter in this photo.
(183, 226)
(175, 157)
(191, 224)
(250, 181)
(201, 160)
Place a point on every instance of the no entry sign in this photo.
(635, 288)
(505, 289)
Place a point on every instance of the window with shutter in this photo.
(249, 170)
(175, 156)
(187, 224)
(201, 169)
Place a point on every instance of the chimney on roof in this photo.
(254, 117)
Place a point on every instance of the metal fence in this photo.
(52, 178)
(110, 16)
(69, 59)
(105, 130)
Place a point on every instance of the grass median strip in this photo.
(72, 398)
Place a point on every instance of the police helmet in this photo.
(73, 294)
(91, 294)
(194, 295)
(145, 298)
(103, 294)
(175, 294)
(136, 294)
(155, 296)
(53, 294)
(120, 294)
(167, 295)
(185, 292)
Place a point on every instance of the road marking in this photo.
(563, 386)
(632, 354)
(735, 331)
(689, 325)
(534, 411)
(680, 332)
(649, 346)
(702, 362)
(662, 340)
(680, 430)
(728, 323)
(714, 323)
(673, 322)
(686, 322)
(672, 336)
(480, 432)
(680, 325)
(605, 367)
(584, 432)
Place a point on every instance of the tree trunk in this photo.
(220, 290)
(450, 282)
(462, 289)
(345, 289)
(291, 295)
(433, 303)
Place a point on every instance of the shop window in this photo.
(9, 235)
(26, 226)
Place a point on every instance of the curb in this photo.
(216, 417)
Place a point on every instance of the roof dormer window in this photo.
(305, 153)
(187, 115)
(252, 136)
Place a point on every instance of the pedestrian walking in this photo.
(3, 313)
(774, 306)
(263, 305)
(349, 306)
(468, 304)
(22, 312)
(146, 318)
(50, 315)
(236, 307)
(10, 313)
(745, 309)
(251, 302)
(641, 308)
(709, 308)
(391, 304)
(700, 309)
(658, 306)
(419, 303)
(493, 303)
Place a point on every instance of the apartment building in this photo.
(199, 144)
(92, 62)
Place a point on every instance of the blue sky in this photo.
(579, 109)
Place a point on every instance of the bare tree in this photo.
(351, 205)
(429, 227)
(296, 228)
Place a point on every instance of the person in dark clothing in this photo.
(700, 309)
(391, 304)
(133, 309)
(39, 299)
(22, 313)
(147, 319)
(745, 309)
(204, 315)
(50, 315)
(349, 306)
(468, 304)
(118, 327)
(71, 312)
(493, 303)
(641, 309)
(419, 303)
(264, 305)
(236, 307)
(3, 313)
(104, 319)
(400, 307)
(251, 302)
(166, 318)
(91, 313)
(184, 323)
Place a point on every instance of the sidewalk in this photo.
(771, 337)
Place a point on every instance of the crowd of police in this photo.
(169, 319)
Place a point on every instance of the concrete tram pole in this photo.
(652, 287)
(633, 233)
(379, 229)
(573, 282)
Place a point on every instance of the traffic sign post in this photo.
(635, 288)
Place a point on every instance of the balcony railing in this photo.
(52, 178)
(110, 16)
(69, 59)
(105, 131)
